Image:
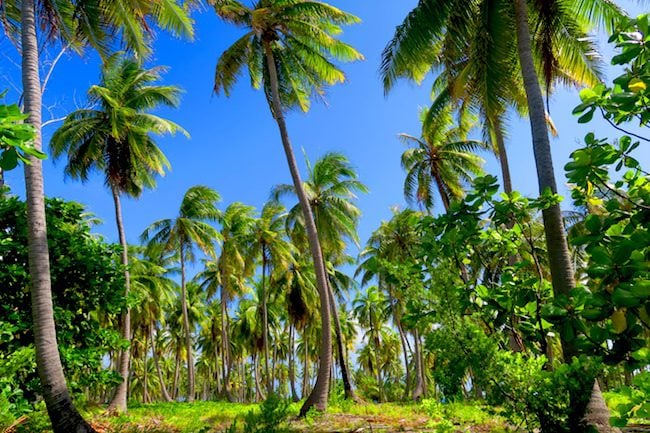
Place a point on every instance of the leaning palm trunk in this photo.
(292, 367)
(188, 336)
(558, 251)
(342, 359)
(318, 396)
(119, 398)
(63, 414)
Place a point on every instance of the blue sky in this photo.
(235, 146)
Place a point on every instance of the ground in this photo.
(209, 417)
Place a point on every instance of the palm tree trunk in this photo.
(62, 412)
(163, 387)
(145, 374)
(497, 131)
(340, 352)
(562, 276)
(418, 391)
(265, 328)
(188, 336)
(318, 396)
(292, 370)
(225, 352)
(305, 367)
(176, 375)
(119, 398)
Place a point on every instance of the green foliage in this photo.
(271, 418)
(632, 402)
(615, 234)
(86, 287)
(629, 97)
(15, 137)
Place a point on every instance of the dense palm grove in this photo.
(471, 294)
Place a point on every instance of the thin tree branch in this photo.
(52, 66)
(623, 130)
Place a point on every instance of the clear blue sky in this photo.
(235, 146)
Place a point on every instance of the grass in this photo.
(342, 416)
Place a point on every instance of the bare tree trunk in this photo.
(63, 414)
(342, 359)
(175, 385)
(119, 398)
(226, 356)
(305, 367)
(558, 251)
(418, 391)
(292, 369)
(265, 328)
(145, 375)
(318, 396)
(502, 154)
(188, 334)
(163, 388)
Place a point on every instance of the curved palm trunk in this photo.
(265, 326)
(163, 387)
(318, 396)
(145, 374)
(119, 398)
(402, 337)
(62, 412)
(342, 359)
(558, 251)
(188, 336)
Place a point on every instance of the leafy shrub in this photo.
(632, 401)
(271, 418)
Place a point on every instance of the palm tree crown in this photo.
(442, 158)
(115, 137)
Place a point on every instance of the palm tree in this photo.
(94, 26)
(558, 47)
(442, 158)
(392, 244)
(288, 50)
(371, 309)
(331, 187)
(474, 43)
(276, 253)
(116, 139)
(179, 236)
(234, 265)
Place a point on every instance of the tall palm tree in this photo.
(288, 50)
(474, 44)
(268, 239)
(116, 139)
(331, 189)
(234, 265)
(95, 26)
(372, 309)
(392, 244)
(557, 48)
(179, 236)
(442, 158)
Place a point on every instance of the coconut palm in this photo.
(558, 47)
(394, 243)
(331, 188)
(234, 265)
(288, 49)
(474, 43)
(91, 25)
(179, 236)
(268, 239)
(371, 309)
(441, 159)
(115, 138)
